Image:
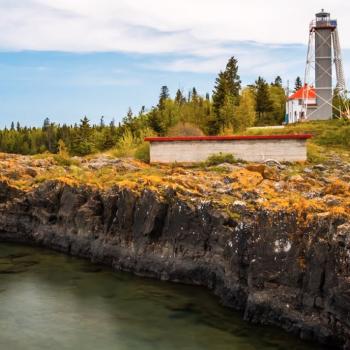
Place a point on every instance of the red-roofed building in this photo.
(297, 103)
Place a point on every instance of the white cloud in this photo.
(204, 32)
(152, 26)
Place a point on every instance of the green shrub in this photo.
(64, 161)
(315, 154)
(216, 159)
(142, 152)
(185, 129)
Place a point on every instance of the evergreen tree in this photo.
(227, 112)
(227, 87)
(46, 123)
(194, 96)
(130, 114)
(189, 96)
(82, 142)
(298, 84)
(85, 128)
(49, 136)
(156, 122)
(142, 111)
(278, 81)
(179, 98)
(102, 122)
(12, 126)
(263, 100)
(164, 95)
(233, 79)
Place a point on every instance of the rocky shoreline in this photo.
(268, 265)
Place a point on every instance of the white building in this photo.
(302, 101)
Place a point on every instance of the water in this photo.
(51, 301)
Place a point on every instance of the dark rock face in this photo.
(7, 192)
(264, 264)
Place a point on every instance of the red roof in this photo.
(229, 138)
(305, 92)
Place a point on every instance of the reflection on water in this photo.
(51, 301)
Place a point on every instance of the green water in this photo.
(51, 301)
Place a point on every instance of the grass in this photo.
(315, 153)
(329, 137)
(142, 152)
(220, 158)
(64, 161)
(331, 132)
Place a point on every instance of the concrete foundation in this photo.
(249, 148)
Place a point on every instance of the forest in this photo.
(230, 108)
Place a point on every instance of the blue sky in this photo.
(66, 59)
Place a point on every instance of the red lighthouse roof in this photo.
(305, 92)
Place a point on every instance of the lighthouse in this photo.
(323, 54)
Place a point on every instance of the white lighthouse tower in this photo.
(324, 53)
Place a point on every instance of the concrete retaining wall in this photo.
(254, 150)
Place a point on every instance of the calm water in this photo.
(51, 301)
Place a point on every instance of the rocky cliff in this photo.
(273, 265)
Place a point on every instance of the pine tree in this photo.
(102, 122)
(232, 77)
(156, 122)
(263, 100)
(164, 95)
(142, 111)
(298, 84)
(278, 81)
(194, 94)
(85, 128)
(189, 96)
(179, 98)
(227, 87)
(82, 143)
(128, 119)
(12, 126)
(227, 112)
(46, 123)
(219, 95)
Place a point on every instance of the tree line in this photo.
(229, 109)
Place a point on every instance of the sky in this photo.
(64, 59)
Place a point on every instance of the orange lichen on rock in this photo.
(306, 190)
(246, 179)
(338, 187)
